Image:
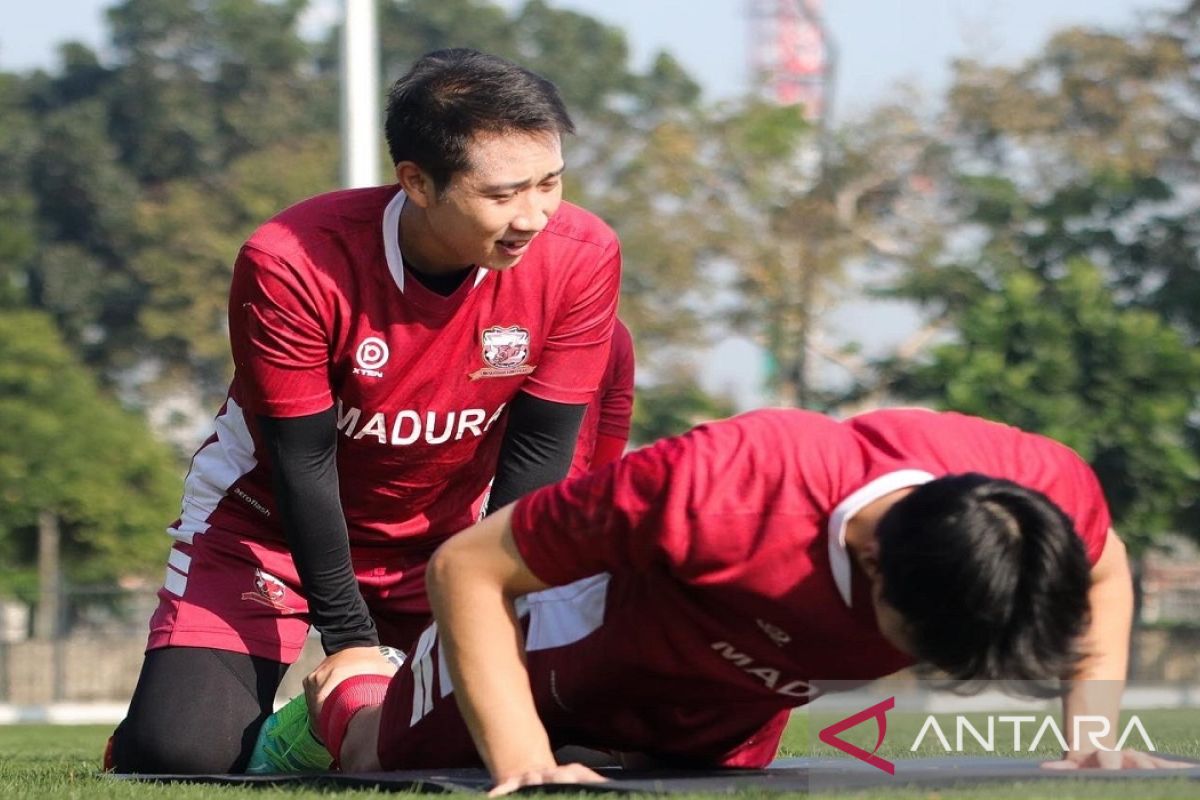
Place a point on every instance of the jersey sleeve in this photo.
(670, 507)
(613, 517)
(278, 338)
(1084, 503)
(616, 402)
(576, 350)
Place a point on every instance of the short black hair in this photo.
(992, 580)
(450, 96)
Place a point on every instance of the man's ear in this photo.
(868, 559)
(416, 183)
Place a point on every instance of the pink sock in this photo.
(347, 699)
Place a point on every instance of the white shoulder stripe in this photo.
(179, 560)
(175, 583)
(216, 467)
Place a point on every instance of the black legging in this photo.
(195, 711)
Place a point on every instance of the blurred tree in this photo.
(805, 210)
(673, 405)
(199, 83)
(18, 234)
(85, 201)
(71, 456)
(125, 150)
(189, 233)
(1089, 149)
(1068, 285)
(1058, 356)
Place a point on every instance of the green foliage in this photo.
(67, 448)
(201, 82)
(189, 233)
(673, 406)
(18, 235)
(1058, 356)
(1069, 291)
(101, 162)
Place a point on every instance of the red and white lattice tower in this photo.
(791, 58)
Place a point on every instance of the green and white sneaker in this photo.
(286, 743)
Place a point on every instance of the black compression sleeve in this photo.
(539, 442)
(304, 470)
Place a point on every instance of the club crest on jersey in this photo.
(505, 351)
(370, 357)
(268, 590)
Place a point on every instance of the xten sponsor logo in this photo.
(371, 355)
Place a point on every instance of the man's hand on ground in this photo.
(565, 773)
(337, 668)
(1114, 759)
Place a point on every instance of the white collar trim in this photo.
(839, 557)
(391, 242)
(391, 238)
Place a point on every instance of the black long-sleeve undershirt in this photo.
(304, 473)
(538, 444)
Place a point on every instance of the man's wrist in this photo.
(337, 641)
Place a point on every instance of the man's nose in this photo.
(534, 212)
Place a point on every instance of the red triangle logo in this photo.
(877, 712)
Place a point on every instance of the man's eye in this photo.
(504, 198)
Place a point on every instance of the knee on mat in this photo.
(140, 751)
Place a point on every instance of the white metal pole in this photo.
(360, 94)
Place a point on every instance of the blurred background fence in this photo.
(94, 652)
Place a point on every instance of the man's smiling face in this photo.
(490, 213)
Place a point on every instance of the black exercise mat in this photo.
(785, 775)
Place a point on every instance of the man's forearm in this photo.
(304, 472)
(1097, 686)
(472, 581)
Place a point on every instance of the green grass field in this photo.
(39, 761)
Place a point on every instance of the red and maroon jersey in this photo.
(731, 588)
(323, 313)
(610, 411)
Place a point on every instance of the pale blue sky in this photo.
(881, 43)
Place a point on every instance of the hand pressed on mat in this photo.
(562, 773)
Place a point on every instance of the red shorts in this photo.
(243, 595)
(581, 699)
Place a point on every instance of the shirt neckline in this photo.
(391, 246)
(839, 556)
